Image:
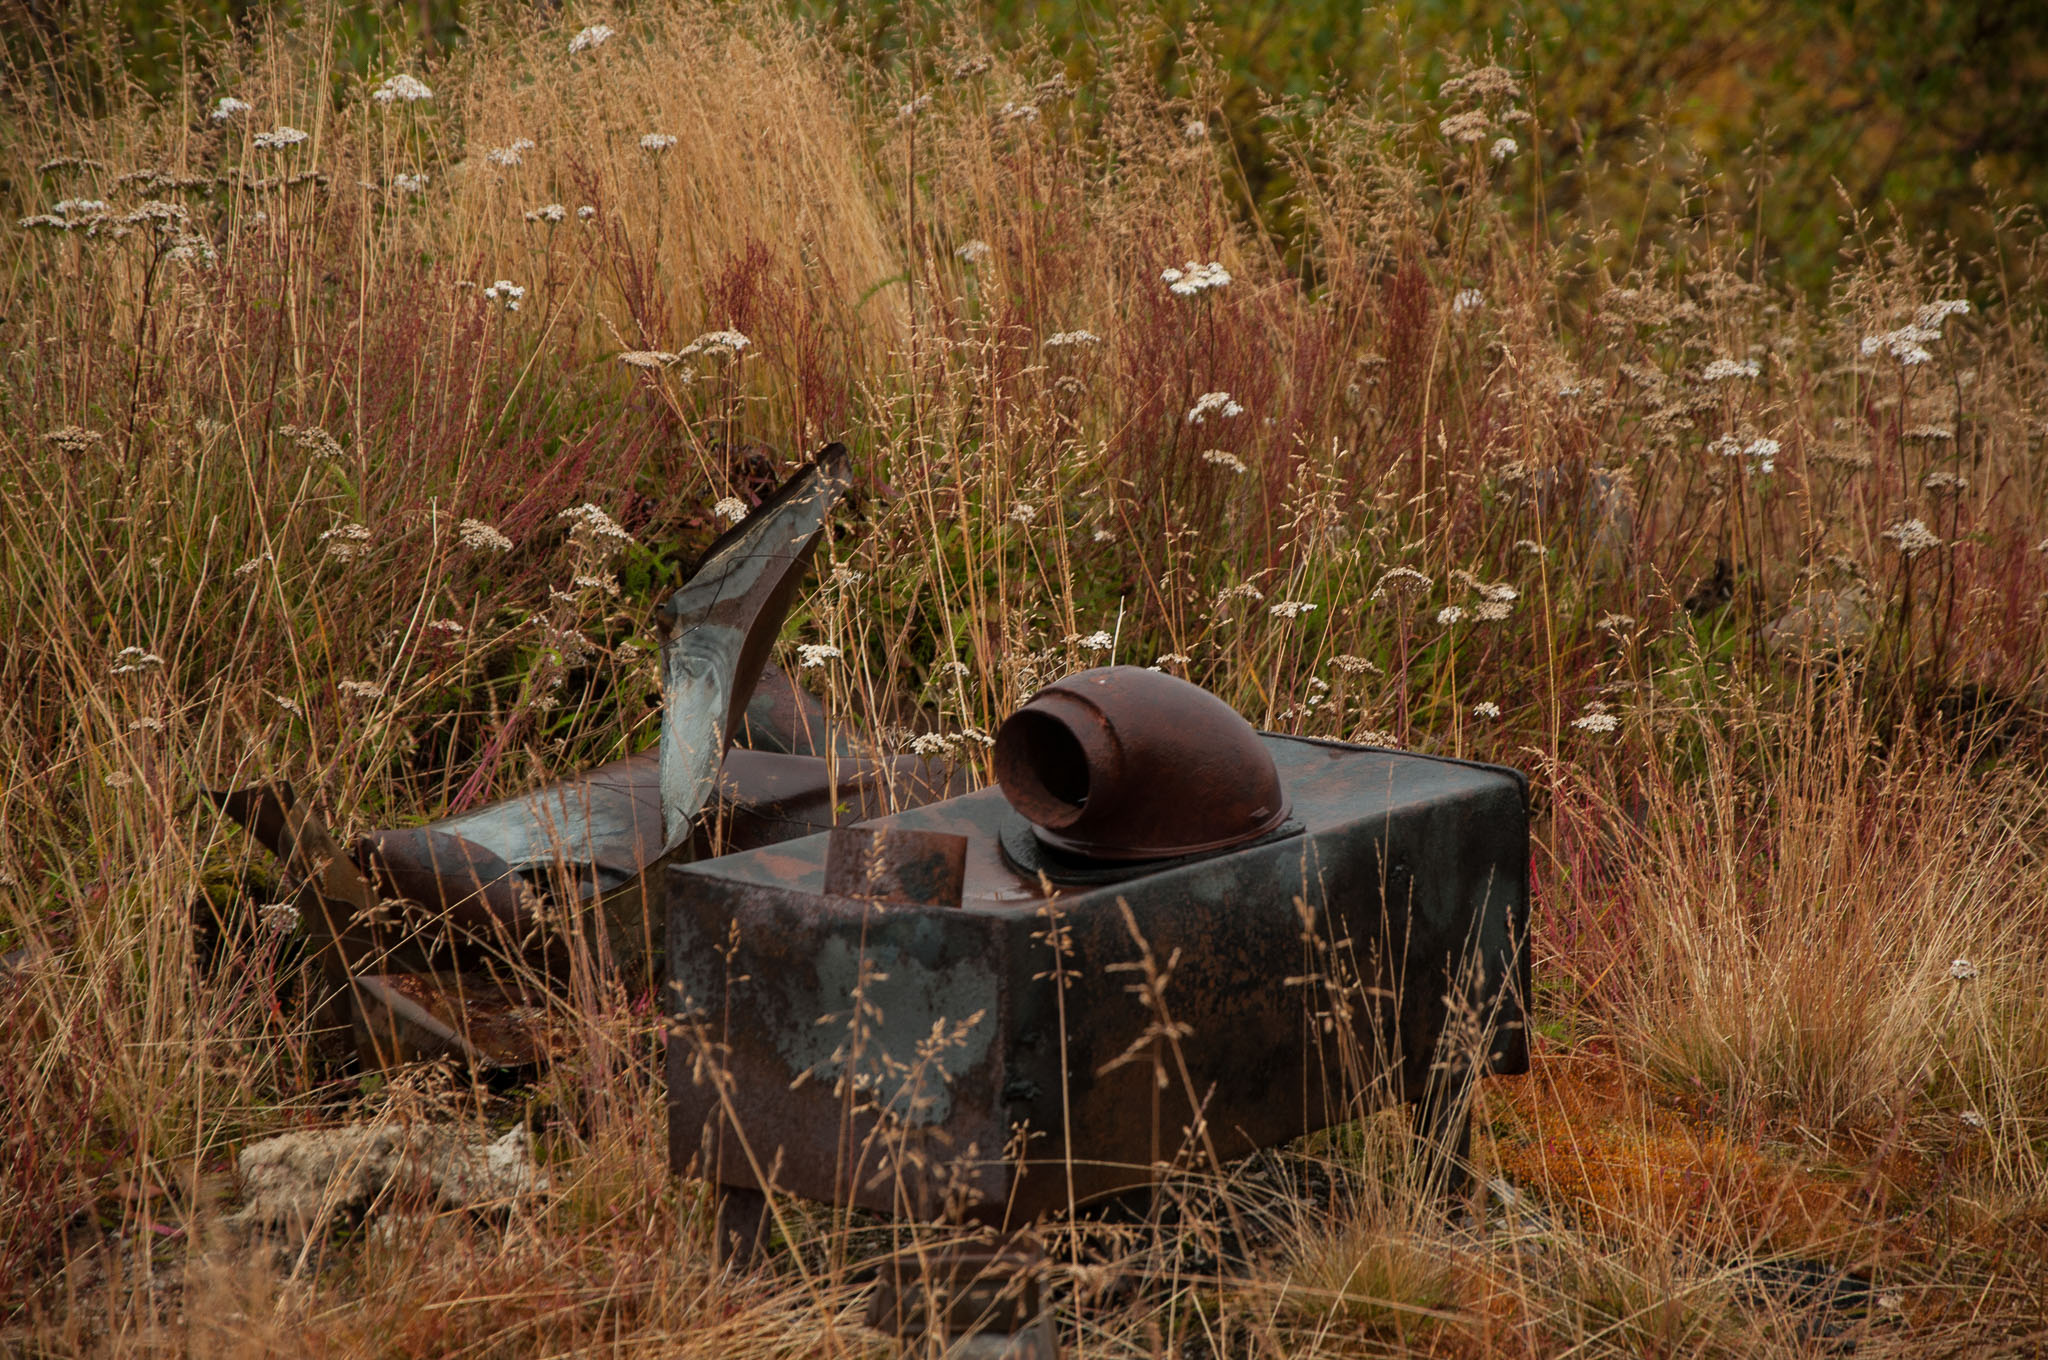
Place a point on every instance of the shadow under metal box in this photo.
(1008, 1053)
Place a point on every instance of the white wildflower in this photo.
(1502, 592)
(1962, 970)
(730, 509)
(409, 184)
(1195, 130)
(1097, 641)
(478, 536)
(506, 291)
(360, 689)
(253, 565)
(811, 655)
(598, 580)
(401, 88)
(597, 35)
(723, 343)
(1468, 300)
(908, 112)
(1912, 537)
(1290, 609)
(1064, 338)
(72, 439)
(448, 626)
(1486, 709)
(130, 660)
(654, 143)
(1102, 535)
(1502, 149)
(585, 213)
(973, 252)
(79, 207)
(118, 779)
(1372, 736)
(1722, 369)
(1597, 722)
(1353, 665)
(281, 917)
(1763, 453)
(1945, 483)
(1531, 547)
(1492, 611)
(1195, 277)
(548, 212)
(648, 358)
(289, 705)
(1012, 112)
(594, 524)
(347, 541)
(1173, 659)
(1470, 126)
(227, 106)
(1933, 434)
(1218, 402)
(280, 138)
(1222, 459)
(1972, 1120)
(1450, 614)
(930, 746)
(1930, 317)
(1400, 581)
(509, 156)
(1023, 512)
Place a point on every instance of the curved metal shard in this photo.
(721, 625)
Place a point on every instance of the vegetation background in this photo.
(1649, 397)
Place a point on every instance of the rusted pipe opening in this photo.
(1043, 768)
(1123, 764)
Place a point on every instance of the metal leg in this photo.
(1443, 1135)
(739, 1226)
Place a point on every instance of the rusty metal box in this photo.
(1013, 1054)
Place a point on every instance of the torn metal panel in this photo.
(721, 626)
(1395, 912)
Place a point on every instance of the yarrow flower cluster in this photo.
(1450, 614)
(1397, 581)
(648, 358)
(730, 509)
(1486, 709)
(1195, 277)
(1912, 537)
(1720, 370)
(1597, 722)
(130, 660)
(1468, 300)
(1218, 403)
(654, 143)
(1228, 461)
(1097, 641)
(360, 689)
(811, 655)
(1065, 338)
(973, 252)
(547, 212)
(510, 155)
(1468, 127)
(1023, 512)
(1908, 343)
(280, 137)
(409, 184)
(506, 291)
(478, 536)
(597, 35)
(1762, 453)
(593, 524)
(227, 106)
(402, 87)
(1962, 970)
(1502, 149)
(723, 343)
(1290, 609)
(347, 541)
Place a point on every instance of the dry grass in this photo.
(1764, 842)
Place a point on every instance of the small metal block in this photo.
(896, 865)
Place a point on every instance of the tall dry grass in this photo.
(1646, 535)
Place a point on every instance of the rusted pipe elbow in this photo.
(1122, 763)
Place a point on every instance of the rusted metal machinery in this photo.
(452, 937)
(1164, 937)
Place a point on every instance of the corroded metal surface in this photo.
(896, 866)
(994, 1058)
